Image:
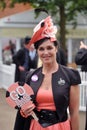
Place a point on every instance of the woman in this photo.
(55, 86)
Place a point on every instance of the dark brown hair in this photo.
(38, 43)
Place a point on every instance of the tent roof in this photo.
(16, 9)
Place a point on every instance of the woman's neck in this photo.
(48, 69)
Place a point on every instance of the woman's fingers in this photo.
(28, 110)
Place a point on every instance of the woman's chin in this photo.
(47, 62)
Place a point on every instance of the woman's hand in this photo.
(27, 110)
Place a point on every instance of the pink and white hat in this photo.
(44, 29)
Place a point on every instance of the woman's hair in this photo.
(38, 43)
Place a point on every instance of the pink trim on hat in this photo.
(47, 30)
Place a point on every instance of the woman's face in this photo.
(47, 52)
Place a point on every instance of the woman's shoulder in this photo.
(72, 73)
(69, 69)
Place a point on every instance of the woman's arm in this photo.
(74, 107)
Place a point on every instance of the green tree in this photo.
(64, 11)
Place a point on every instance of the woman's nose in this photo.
(45, 51)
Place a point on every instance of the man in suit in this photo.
(21, 59)
(33, 58)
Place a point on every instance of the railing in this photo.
(7, 75)
(83, 90)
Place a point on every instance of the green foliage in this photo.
(71, 7)
(2, 4)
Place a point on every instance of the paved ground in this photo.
(7, 114)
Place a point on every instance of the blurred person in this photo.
(55, 87)
(7, 56)
(8, 52)
(12, 47)
(21, 59)
(81, 57)
(33, 57)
